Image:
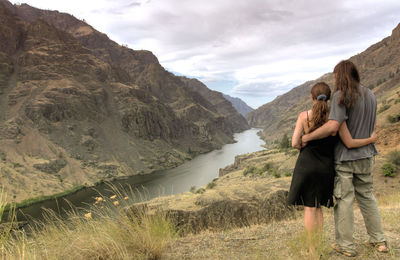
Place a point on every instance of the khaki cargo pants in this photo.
(354, 179)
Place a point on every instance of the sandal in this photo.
(381, 247)
(349, 253)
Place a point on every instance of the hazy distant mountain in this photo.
(239, 105)
(379, 66)
(77, 108)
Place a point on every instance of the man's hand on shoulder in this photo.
(305, 139)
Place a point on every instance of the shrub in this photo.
(276, 174)
(193, 189)
(259, 171)
(293, 152)
(288, 173)
(267, 167)
(249, 169)
(285, 143)
(393, 119)
(211, 185)
(394, 157)
(17, 165)
(200, 191)
(2, 156)
(380, 81)
(383, 108)
(388, 169)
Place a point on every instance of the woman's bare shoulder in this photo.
(303, 115)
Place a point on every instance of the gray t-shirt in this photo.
(360, 121)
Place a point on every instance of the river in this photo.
(194, 173)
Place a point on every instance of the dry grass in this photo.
(287, 239)
(107, 234)
(298, 245)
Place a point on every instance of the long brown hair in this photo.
(347, 80)
(320, 110)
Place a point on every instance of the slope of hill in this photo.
(77, 108)
(379, 68)
(239, 105)
(217, 102)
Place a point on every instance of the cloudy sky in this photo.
(254, 50)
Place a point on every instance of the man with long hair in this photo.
(354, 105)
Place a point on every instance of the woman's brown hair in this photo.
(320, 110)
(347, 80)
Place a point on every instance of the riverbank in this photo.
(195, 172)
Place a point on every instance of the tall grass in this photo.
(105, 232)
(6, 222)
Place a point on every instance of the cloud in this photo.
(265, 47)
(263, 89)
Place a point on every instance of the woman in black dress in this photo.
(313, 176)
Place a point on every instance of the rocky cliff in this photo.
(218, 104)
(379, 68)
(77, 108)
(239, 105)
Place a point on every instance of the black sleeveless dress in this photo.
(313, 176)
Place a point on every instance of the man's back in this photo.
(361, 122)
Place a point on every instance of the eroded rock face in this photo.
(223, 214)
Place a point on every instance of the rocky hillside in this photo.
(77, 108)
(239, 105)
(379, 66)
(217, 102)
